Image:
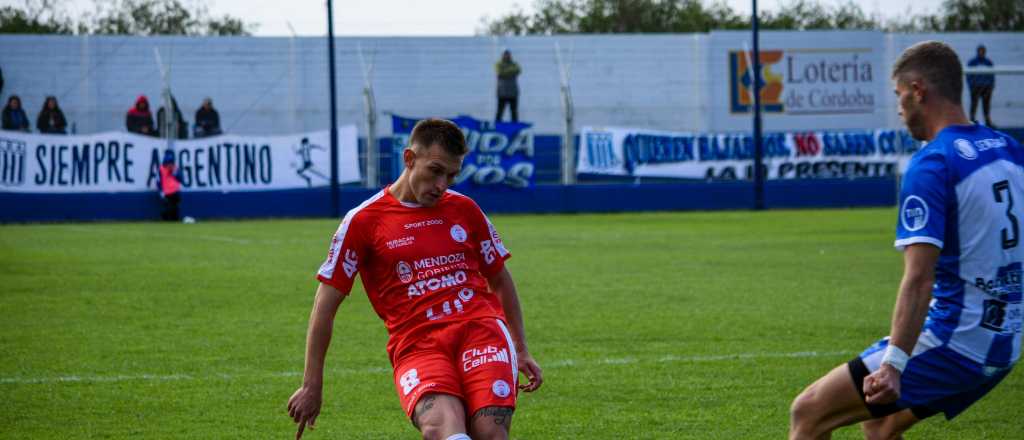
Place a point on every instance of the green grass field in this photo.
(668, 325)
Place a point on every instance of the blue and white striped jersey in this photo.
(964, 192)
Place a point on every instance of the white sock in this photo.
(462, 436)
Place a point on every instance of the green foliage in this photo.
(616, 16)
(979, 15)
(648, 326)
(807, 14)
(34, 17)
(122, 17)
(656, 16)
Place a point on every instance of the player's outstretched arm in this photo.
(502, 285)
(304, 405)
(883, 386)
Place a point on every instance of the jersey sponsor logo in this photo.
(1007, 283)
(452, 307)
(420, 224)
(488, 251)
(440, 260)
(496, 239)
(399, 242)
(988, 144)
(433, 284)
(433, 266)
(501, 389)
(458, 233)
(331, 252)
(475, 357)
(914, 214)
(404, 271)
(965, 149)
(350, 263)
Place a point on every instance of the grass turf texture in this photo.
(157, 331)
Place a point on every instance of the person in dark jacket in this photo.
(170, 187)
(14, 117)
(140, 119)
(182, 130)
(981, 85)
(508, 89)
(51, 118)
(207, 120)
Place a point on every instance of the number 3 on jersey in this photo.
(1011, 235)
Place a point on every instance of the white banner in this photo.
(717, 156)
(831, 80)
(126, 162)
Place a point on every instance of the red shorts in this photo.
(473, 360)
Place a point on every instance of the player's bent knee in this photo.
(804, 415)
(491, 423)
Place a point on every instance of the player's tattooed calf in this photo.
(422, 407)
(501, 415)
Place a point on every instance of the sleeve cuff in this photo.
(904, 242)
(333, 284)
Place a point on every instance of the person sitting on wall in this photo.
(170, 188)
(140, 119)
(51, 118)
(14, 116)
(207, 120)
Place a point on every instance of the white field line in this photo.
(185, 235)
(383, 370)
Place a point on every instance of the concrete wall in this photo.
(278, 85)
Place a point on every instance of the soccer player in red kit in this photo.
(433, 267)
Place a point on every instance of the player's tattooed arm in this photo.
(499, 415)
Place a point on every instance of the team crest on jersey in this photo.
(501, 389)
(965, 149)
(914, 214)
(458, 233)
(404, 271)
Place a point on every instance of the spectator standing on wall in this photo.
(170, 187)
(981, 85)
(207, 120)
(51, 118)
(182, 129)
(140, 119)
(14, 116)
(508, 88)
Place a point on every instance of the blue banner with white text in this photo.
(500, 155)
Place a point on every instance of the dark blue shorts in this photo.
(936, 380)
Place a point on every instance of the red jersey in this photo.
(420, 266)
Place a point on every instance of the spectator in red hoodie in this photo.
(140, 119)
(170, 187)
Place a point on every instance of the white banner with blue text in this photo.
(729, 156)
(127, 162)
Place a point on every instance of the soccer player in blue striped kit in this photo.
(956, 327)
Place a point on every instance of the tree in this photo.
(122, 17)
(804, 15)
(978, 15)
(615, 16)
(35, 17)
(632, 16)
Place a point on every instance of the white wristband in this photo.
(895, 357)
